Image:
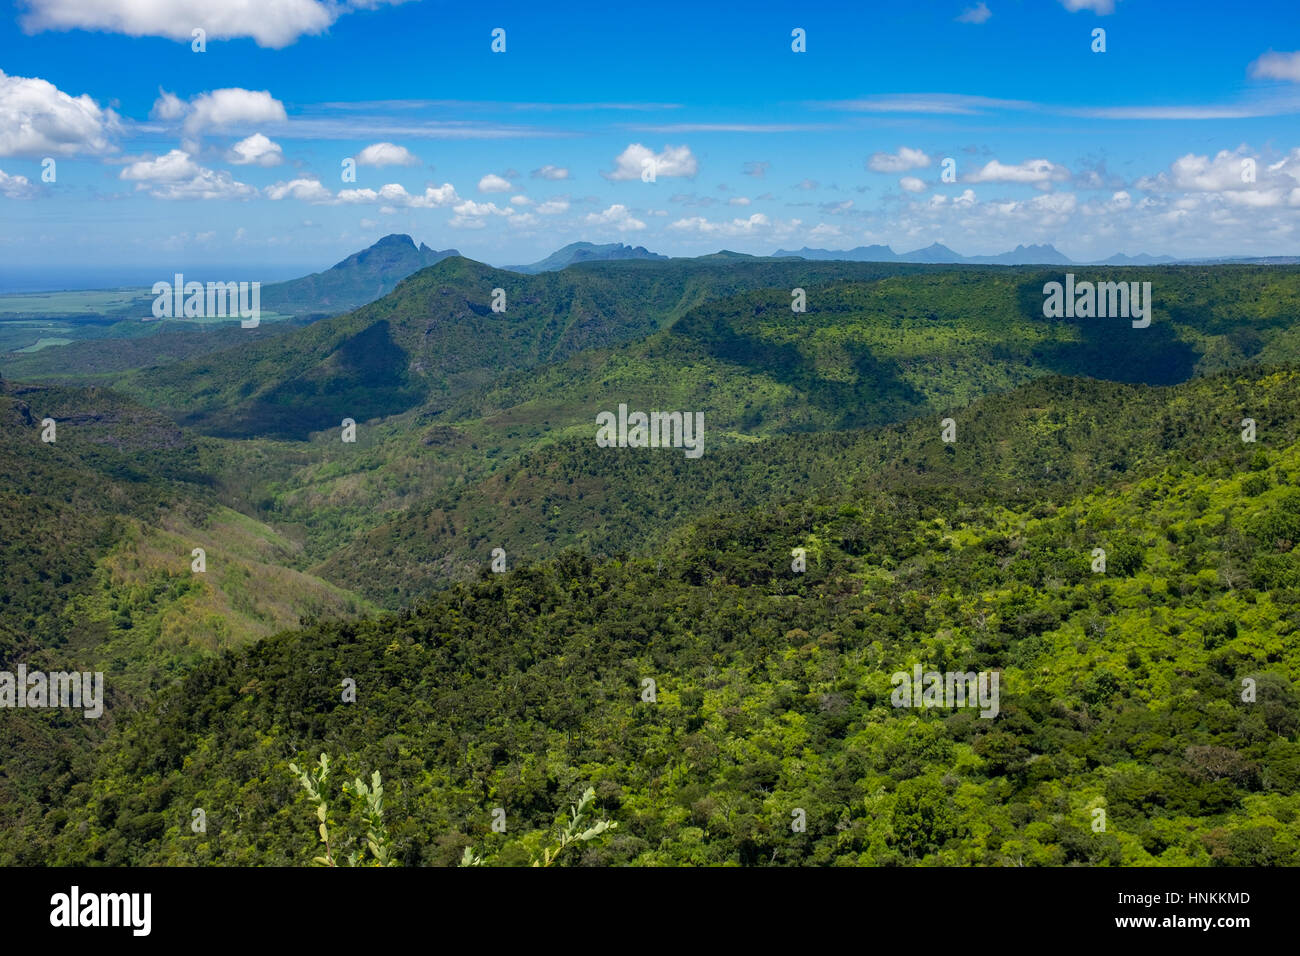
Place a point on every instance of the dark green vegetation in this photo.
(96, 534)
(1163, 691)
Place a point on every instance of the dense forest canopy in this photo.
(920, 474)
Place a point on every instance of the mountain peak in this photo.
(586, 252)
(360, 278)
(396, 239)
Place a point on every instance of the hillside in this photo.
(96, 557)
(1121, 691)
(436, 337)
(418, 499)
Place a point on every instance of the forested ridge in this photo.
(917, 473)
(1121, 691)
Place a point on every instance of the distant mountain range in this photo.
(372, 273)
(1021, 255)
(585, 252)
(935, 253)
(360, 278)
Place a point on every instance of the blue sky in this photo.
(231, 159)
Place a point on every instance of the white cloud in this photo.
(1195, 173)
(757, 223)
(911, 184)
(307, 190)
(617, 216)
(389, 197)
(219, 109)
(15, 187)
(38, 119)
(553, 207)
(168, 106)
(1277, 66)
(176, 176)
(738, 201)
(965, 200)
(674, 161)
(1099, 7)
(271, 23)
(473, 215)
(395, 195)
(1226, 179)
(520, 200)
(173, 167)
(256, 150)
(386, 154)
(942, 103)
(900, 162)
(227, 107)
(492, 183)
(1036, 172)
(976, 14)
(550, 172)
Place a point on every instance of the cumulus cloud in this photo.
(1035, 172)
(1232, 177)
(307, 190)
(389, 196)
(15, 187)
(168, 106)
(386, 154)
(256, 150)
(38, 119)
(900, 162)
(911, 184)
(738, 201)
(231, 106)
(965, 200)
(218, 109)
(976, 14)
(395, 194)
(175, 175)
(1277, 66)
(553, 207)
(674, 161)
(550, 172)
(492, 183)
(270, 23)
(757, 168)
(617, 216)
(172, 167)
(1193, 173)
(473, 215)
(757, 223)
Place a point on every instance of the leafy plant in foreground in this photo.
(376, 838)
